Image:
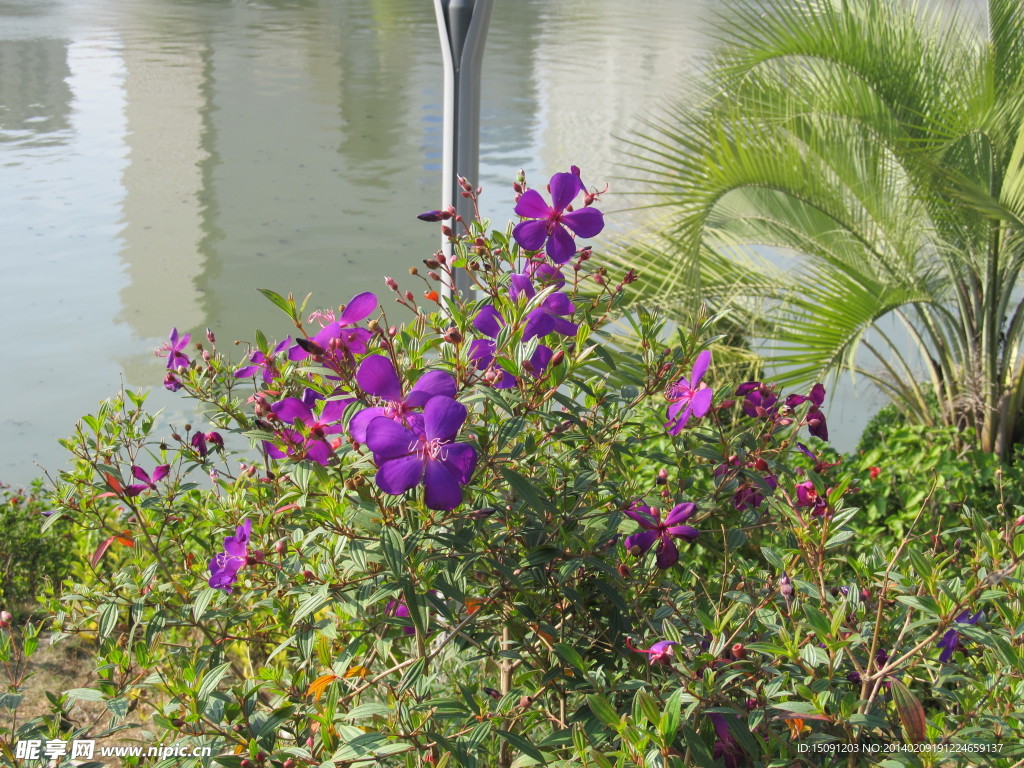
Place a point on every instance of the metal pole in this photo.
(462, 25)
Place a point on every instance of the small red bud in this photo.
(558, 357)
(624, 571)
(525, 701)
(281, 547)
(662, 477)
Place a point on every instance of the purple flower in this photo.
(309, 441)
(660, 653)
(689, 397)
(727, 748)
(171, 383)
(147, 482)
(338, 341)
(377, 376)
(482, 351)
(259, 361)
(657, 530)
(175, 357)
(815, 418)
(807, 496)
(407, 456)
(547, 224)
(550, 316)
(224, 566)
(760, 400)
(950, 641)
(400, 610)
(200, 439)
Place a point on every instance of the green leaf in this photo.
(604, 711)
(522, 745)
(210, 681)
(523, 488)
(285, 305)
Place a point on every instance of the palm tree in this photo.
(879, 150)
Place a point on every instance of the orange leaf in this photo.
(100, 550)
(318, 686)
(473, 604)
(357, 671)
(797, 727)
(113, 482)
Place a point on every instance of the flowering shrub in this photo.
(488, 537)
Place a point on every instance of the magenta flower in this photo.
(654, 529)
(147, 482)
(406, 456)
(660, 653)
(175, 357)
(760, 400)
(201, 441)
(224, 566)
(546, 227)
(815, 418)
(550, 316)
(482, 351)
(689, 397)
(338, 341)
(265, 363)
(306, 435)
(727, 748)
(377, 376)
(950, 641)
(400, 610)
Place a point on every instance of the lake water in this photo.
(160, 160)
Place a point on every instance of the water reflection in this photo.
(163, 159)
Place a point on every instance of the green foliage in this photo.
(542, 620)
(878, 147)
(29, 557)
(901, 467)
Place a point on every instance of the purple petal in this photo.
(532, 205)
(541, 359)
(684, 532)
(460, 460)
(531, 234)
(700, 367)
(548, 275)
(388, 439)
(359, 308)
(377, 376)
(442, 418)
(817, 395)
(520, 285)
(642, 539)
(319, 451)
(161, 472)
(291, 409)
(561, 247)
(564, 327)
(431, 384)
(701, 401)
(642, 515)
(396, 476)
(488, 321)
(558, 303)
(564, 188)
(680, 513)
(538, 323)
(357, 426)
(481, 352)
(249, 370)
(586, 222)
(668, 555)
(141, 474)
(443, 491)
(333, 410)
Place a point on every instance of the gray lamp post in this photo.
(463, 29)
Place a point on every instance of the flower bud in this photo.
(289, 763)
(662, 478)
(413, 271)
(307, 574)
(433, 216)
(785, 587)
(453, 336)
(408, 294)
(210, 337)
(624, 571)
(433, 275)
(599, 278)
(558, 357)
(432, 263)
(281, 547)
(525, 701)
(738, 651)
(5, 619)
(391, 283)
(446, 230)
